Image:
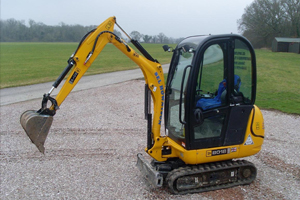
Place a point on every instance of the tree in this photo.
(147, 38)
(16, 31)
(292, 10)
(136, 35)
(262, 20)
(12, 30)
(118, 33)
(154, 39)
(162, 38)
(265, 19)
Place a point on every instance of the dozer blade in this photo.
(37, 127)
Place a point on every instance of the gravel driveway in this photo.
(92, 145)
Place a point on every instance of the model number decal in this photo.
(74, 76)
(217, 152)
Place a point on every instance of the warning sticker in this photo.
(249, 141)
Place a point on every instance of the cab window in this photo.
(243, 73)
(211, 86)
(211, 91)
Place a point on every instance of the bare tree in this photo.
(147, 38)
(161, 37)
(136, 35)
(265, 19)
(17, 31)
(262, 20)
(118, 33)
(292, 10)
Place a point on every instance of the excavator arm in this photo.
(37, 123)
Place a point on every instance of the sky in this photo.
(174, 18)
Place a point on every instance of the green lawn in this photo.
(30, 63)
(278, 85)
(278, 74)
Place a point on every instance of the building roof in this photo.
(281, 39)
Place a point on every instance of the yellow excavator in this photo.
(208, 102)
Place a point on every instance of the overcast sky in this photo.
(174, 18)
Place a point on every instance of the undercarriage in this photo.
(183, 179)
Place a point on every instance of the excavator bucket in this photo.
(36, 126)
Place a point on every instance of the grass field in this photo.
(28, 63)
(278, 84)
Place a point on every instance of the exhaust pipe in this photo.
(36, 126)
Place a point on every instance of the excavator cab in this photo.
(210, 114)
(210, 91)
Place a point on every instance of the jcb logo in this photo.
(109, 24)
(208, 153)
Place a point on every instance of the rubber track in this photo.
(209, 167)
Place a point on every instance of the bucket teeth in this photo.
(36, 127)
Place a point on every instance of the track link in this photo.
(210, 176)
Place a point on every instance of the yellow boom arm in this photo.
(88, 50)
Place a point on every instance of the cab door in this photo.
(222, 93)
(209, 99)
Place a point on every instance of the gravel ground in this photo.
(92, 145)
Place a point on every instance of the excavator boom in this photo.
(37, 123)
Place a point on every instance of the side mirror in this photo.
(167, 48)
(198, 117)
